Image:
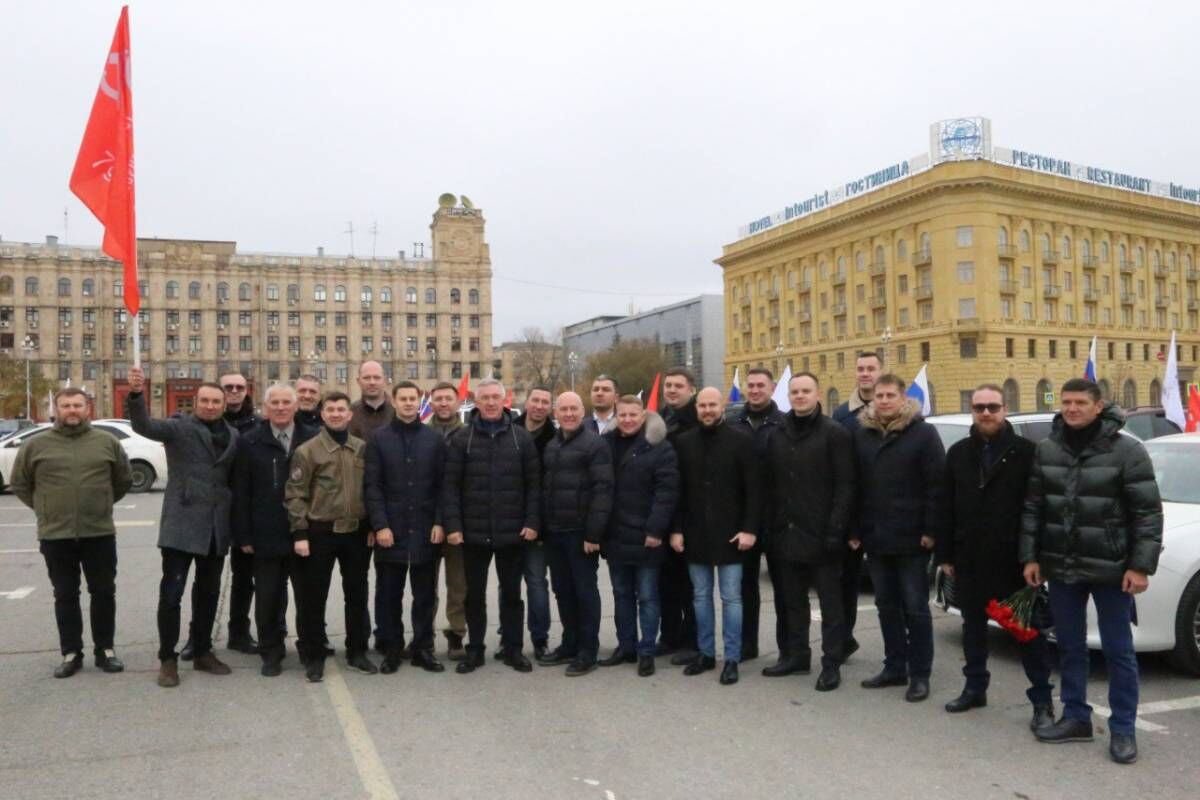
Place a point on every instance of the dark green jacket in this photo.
(1090, 516)
(71, 477)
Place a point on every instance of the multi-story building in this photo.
(525, 365)
(691, 333)
(207, 309)
(997, 265)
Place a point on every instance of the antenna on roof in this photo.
(350, 230)
(374, 231)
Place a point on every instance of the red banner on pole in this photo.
(103, 174)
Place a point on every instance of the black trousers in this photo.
(97, 557)
(353, 558)
(752, 602)
(795, 580)
(773, 565)
(271, 575)
(510, 565)
(390, 578)
(206, 591)
(675, 593)
(241, 592)
(852, 565)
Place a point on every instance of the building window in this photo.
(172, 290)
(339, 294)
(1104, 252)
(1066, 244)
(368, 344)
(319, 293)
(1026, 277)
(966, 308)
(410, 294)
(1025, 241)
(431, 320)
(385, 294)
(455, 297)
(925, 352)
(1052, 348)
(293, 319)
(293, 293)
(1032, 348)
(1071, 349)
(339, 319)
(272, 291)
(64, 287)
(901, 353)
(31, 287)
(966, 272)
(431, 296)
(273, 344)
(320, 343)
(902, 284)
(473, 297)
(222, 292)
(245, 319)
(963, 236)
(366, 294)
(245, 343)
(339, 344)
(968, 347)
(243, 292)
(1008, 348)
(901, 250)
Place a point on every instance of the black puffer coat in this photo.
(1091, 516)
(982, 521)
(680, 420)
(722, 493)
(645, 497)
(259, 474)
(810, 466)
(901, 479)
(402, 483)
(492, 487)
(577, 484)
(761, 435)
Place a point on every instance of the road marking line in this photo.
(18, 594)
(370, 767)
(121, 523)
(1139, 723)
(13, 552)
(1162, 706)
(816, 614)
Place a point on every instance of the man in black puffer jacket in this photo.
(576, 501)
(490, 507)
(645, 494)
(405, 465)
(1092, 526)
(900, 479)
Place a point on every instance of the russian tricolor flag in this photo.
(426, 410)
(1089, 371)
(735, 391)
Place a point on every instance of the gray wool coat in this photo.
(197, 501)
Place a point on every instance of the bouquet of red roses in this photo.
(1015, 613)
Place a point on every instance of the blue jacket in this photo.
(402, 483)
(645, 497)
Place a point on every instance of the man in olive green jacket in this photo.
(70, 476)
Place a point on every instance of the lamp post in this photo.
(886, 338)
(572, 364)
(28, 346)
(778, 356)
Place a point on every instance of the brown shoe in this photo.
(209, 663)
(168, 674)
(454, 647)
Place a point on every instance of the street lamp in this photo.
(28, 346)
(572, 363)
(886, 338)
(778, 355)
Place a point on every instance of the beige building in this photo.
(525, 365)
(995, 268)
(208, 309)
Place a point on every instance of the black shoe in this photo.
(188, 652)
(645, 666)
(539, 650)
(698, 664)
(555, 657)
(729, 673)
(71, 663)
(360, 663)
(883, 679)
(382, 646)
(329, 651)
(748, 654)
(107, 661)
(271, 669)
(1043, 717)
(243, 644)
(918, 690)
(966, 701)
(849, 649)
(1065, 730)
(426, 661)
(580, 667)
(829, 679)
(683, 658)
(788, 665)
(1122, 747)
(315, 671)
(474, 659)
(517, 660)
(619, 657)
(391, 662)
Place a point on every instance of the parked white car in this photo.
(146, 456)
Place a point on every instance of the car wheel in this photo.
(143, 477)
(1186, 655)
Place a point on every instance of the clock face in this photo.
(461, 242)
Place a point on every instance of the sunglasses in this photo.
(991, 408)
(229, 387)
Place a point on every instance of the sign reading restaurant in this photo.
(963, 139)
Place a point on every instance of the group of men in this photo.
(679, 505)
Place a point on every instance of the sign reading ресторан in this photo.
(969, 138)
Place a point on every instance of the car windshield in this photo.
(1175, 471)
(951, 432)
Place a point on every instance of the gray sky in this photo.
(614, 148)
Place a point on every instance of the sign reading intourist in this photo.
(968, 138)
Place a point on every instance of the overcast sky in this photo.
(611, 149)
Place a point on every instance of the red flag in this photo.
(103, 174)
(652, 404)
(464, 387)
(1193, 415)
(508, 399)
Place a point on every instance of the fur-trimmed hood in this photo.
(654, 428)
(909, 412)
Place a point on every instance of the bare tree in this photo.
(537, 360)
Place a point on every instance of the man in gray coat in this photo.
(195, 518)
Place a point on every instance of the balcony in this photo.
(1162, 302)
(1051, 292)
(1160, 270)
(1193, 304)
(923, 292)
(1008, 287)
(805, 286)
(838, 309)
(804, 316)
(1091, 296)
(1128, 299)
(876, 269)
(1192, 275)
(745, 326)
(1049, 256)
(838, 279)
(773, 322)
(1090, 262)
(772, 294)
(1006, 252)
(744, 302)
(1126, 267)
(922, 256)
(878, 301)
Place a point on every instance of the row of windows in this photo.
(320, 293)
(66, 317)
(275, 370)
(246, 344)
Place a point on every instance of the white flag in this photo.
(919, 391)
(781, 390)
(1171, 402)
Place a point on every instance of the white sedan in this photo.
(146, 456)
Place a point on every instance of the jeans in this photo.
(456, 591)
(537, 592)
(635, 599)
(795, 580)
(206, 592)
(241, 592)
(729, 577)
(1114, 609)
(1035, 658)
(678, 609)
(97, 556)
(390, 578)
(509, 566)
(271, 576)
(851, 584)
(353, 558)
(902, 597)
(573, 575)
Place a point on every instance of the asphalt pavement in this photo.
(498, 734)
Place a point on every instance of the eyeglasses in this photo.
(230, 387)
(991, 408)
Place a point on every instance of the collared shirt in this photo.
(601, 422)
(285, 436)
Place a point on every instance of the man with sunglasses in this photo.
(239, 413)
(986, 474)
